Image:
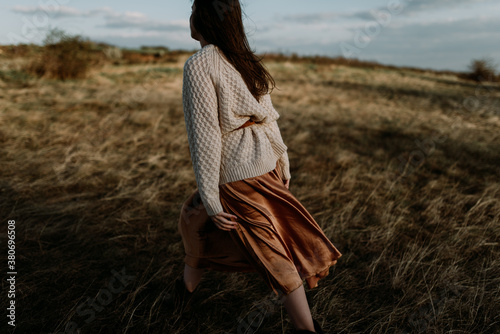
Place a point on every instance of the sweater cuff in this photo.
(286, 174)
(285, 166)
(213, 207)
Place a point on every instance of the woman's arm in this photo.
(204, 135)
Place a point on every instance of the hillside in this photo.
(399, 167)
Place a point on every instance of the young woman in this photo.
(242, 217)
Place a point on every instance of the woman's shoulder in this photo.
(202, 57)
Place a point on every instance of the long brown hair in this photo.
(220, 23)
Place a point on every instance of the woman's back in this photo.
(217, 102)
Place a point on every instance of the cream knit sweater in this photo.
(216, 102)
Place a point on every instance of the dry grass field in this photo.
(399, 167)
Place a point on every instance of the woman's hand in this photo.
(287, 184)
(222, 221)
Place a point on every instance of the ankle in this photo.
(304, 327)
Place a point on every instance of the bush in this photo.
(482, 70)
(63, 57)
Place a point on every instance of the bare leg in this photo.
(298, 309)
(192, 277)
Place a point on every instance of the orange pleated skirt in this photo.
(276, 237)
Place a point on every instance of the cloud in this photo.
(402, 7)
(112, 19)
(142, 22)
(55, 12)
(428, 5)
(431, 43)
(439, 45)
(312, 18)
(439, 34)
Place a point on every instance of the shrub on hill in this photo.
(482, 70)
(64, 57)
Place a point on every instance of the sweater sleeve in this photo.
(285, 166)
(200, 104)
(283, 160)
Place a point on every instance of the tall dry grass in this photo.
(400, 169)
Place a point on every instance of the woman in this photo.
(242, 217)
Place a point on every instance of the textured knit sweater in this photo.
(216, 103)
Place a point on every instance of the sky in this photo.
(434, 34)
